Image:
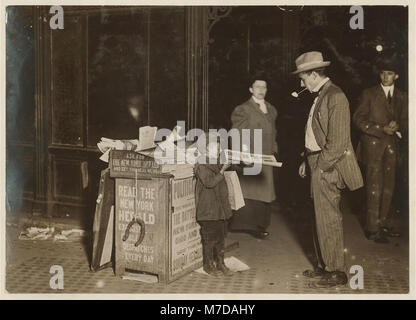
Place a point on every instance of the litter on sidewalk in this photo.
(36, 233)
(147, 278)
(69, 235)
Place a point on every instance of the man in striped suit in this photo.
(332, 164)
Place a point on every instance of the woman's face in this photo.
(259, 89)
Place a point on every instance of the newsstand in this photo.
(155, 228)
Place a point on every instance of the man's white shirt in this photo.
(310, 140)
(386, 90)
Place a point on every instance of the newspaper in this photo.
(251, 158)
(146, 138)
(235, 194)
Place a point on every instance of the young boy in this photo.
(212, 210)
(382, 118)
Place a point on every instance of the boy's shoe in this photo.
(208, 259)
(219, 259)
(210, 268)
(224, 269)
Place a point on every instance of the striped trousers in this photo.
(328, 234)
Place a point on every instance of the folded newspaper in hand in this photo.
(251, 158)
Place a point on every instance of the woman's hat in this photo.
(309, 61)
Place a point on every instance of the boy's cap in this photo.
(388, 65)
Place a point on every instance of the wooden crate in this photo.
(163, 213)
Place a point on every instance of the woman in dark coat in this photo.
(258, 190)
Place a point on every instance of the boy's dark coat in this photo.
(211, 194)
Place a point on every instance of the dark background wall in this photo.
(104, 55)
(86, 75)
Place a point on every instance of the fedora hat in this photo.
(309, 61)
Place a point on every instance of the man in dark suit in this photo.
(381, 117)
(332, 163)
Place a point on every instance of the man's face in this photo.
(388, 77)
(259, 89)
(308, 80)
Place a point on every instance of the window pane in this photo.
(167, 67)
(68, 82)
(117, 49)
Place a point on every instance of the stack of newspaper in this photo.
(146, 141)
(145, 145)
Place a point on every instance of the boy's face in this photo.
(388, 77)
(213, 149)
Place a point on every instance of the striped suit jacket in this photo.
(331, 127)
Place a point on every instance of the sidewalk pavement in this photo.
(276, 263)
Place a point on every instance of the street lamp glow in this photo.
(379, 48)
